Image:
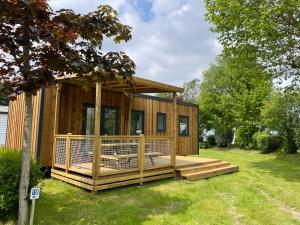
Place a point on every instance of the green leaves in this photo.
(232, 93)
(57, 43)
(272, 27)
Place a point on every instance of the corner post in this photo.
(141, 157)
(129, 114)
(174, 130)
(68, 152)
(56, 120)
(97, 144)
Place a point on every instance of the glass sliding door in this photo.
(88, 119)
(110, 120)
(137, 122)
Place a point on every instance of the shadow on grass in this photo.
(286, 166)
(127, 205)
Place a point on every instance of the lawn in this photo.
(265, 191)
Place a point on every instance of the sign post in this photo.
(34, 194)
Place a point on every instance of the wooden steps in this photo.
(206, 170)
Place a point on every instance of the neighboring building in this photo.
(3, 124)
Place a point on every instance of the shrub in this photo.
(10, 173)
(254, 139)
(267, 142)
(263, 141)
(223, 138)
(211, 140)
(243, 137)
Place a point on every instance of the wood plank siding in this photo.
(72, 100)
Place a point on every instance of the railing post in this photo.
(56, 119)
(68, 152)
(142, 157)
(97, 143)
(174, 130)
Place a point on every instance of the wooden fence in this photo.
(115, 154)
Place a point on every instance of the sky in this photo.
(171, 40)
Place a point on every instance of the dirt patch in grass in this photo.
(232, 210)
(283, 207)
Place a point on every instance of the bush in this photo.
(223, 138)
(244, 137)
(267, 142)
(263, 142)
(10, 173)
(211, 140)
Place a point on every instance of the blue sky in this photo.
(171, 40)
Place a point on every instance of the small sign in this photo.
(34, 193)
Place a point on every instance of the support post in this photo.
(97, 144)
(56, 120)
(68, 152)
(174, 129)
(129, 114)
(142, 157)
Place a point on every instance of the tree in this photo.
(37, 45)
(231, 95)
(281, 113)
(270, 26)
(3, 98)
(191, 91)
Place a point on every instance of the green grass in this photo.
(265, 191)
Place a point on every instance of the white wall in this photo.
(3, 125)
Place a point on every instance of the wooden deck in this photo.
(110, 178)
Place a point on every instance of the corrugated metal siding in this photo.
(3, 126)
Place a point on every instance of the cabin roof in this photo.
(140, 85)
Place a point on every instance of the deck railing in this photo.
(116, 154)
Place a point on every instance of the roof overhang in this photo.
(136, 84)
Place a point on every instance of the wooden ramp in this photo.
(195, 168)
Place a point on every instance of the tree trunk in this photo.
(25, 172)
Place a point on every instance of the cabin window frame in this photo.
(117, 121)
(84, 117)
(143, 121)
(164, 116)
(103, 107)
(187, 134)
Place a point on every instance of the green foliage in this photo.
(223, 138)
(267, 142)
(165, 95)
(263, 141)
(191, 91)
(231, 95)
(40, 44)
(211, 140)
(244, 137)
(271, 27)
(10, 171)
(281, 113)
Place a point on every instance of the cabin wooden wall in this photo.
(71, 111)
(185, 145)
(15, 122)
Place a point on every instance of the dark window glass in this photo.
(183, 125)
(161, 122)
(88, 121)
(137, 122)
(110, 120)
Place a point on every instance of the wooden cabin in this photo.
(110, 135)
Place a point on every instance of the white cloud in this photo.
(174, 46)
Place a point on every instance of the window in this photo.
(137, 122)
(109, 120)
(161, 125)
(88, 119)
(183, 126)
